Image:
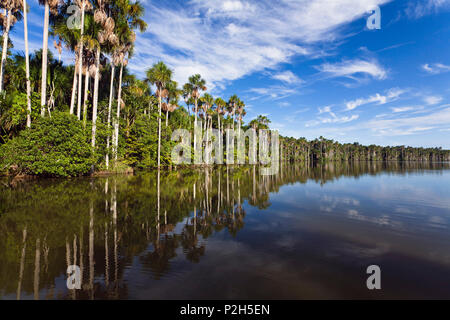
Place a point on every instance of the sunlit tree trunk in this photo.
(95, 102)
(86, 97)
(159, 128)
(116, 123)
(27, 62)
(5, 48)
(74, 89)
(44, 59)
(80, 59)
(111, 93)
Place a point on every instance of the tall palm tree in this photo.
(233, 105)
(27, 62)
(49, 6)
(220, 109)
(159, 75)
(195, 85)
(127, 19)
(10, 17)
(173, 94)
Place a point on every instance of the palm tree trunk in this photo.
(111, 93)
(95, 103)
(195, 126)
(27, 63)
(74, 88)
(5, 48)
(86, 92)
(80, 58)
(116, 123)
(159, 130)
(44, 59)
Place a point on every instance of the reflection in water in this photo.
(229, 232)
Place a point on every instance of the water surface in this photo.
(309, 232)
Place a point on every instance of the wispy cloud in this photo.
(390, 96)
(227, 40)
(419, 8)
(287, 77)
(410, 125)
(432, 100)
(354, 69)
(436, 68)
(333, 119)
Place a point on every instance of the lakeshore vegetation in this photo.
(94, 115)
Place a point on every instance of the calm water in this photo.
(309, 232)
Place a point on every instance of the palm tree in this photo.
(159, 75)
(128, 18)
(220, 105)
(27, 62)
(173, 94)
(50, 6)
(10, 17)
(241, 112)
(232, 107)
(194, 86)
(106, 35)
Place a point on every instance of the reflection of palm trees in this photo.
(37, 268)
(22, 262)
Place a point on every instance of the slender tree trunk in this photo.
(195, 126)
(80, 58)
(116, 123)
(5, 48)
(167, 118)
(86, 96)
(159, 130)
(44, 59)
(95, 103)
(111, 93)
(27, 63)
(74, 88)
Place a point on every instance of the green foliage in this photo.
(56, 146)
(142, 143)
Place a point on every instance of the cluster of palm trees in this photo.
(205, 107)
(106, 35)
(107, 28)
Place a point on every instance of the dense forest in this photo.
(94, 115)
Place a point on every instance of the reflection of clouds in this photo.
(403, 210)
(384, 220)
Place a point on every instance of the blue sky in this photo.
(313, 67)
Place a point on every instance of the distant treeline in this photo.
(322, 149)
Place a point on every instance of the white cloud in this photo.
(436, 68)
(410, 125)
(288, 77)
(353, 69)
(391, 95)
(432, 100)
(405, 109)
(227, 40)
(333, 119)
(419, 8)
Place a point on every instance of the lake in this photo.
(309, 232)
